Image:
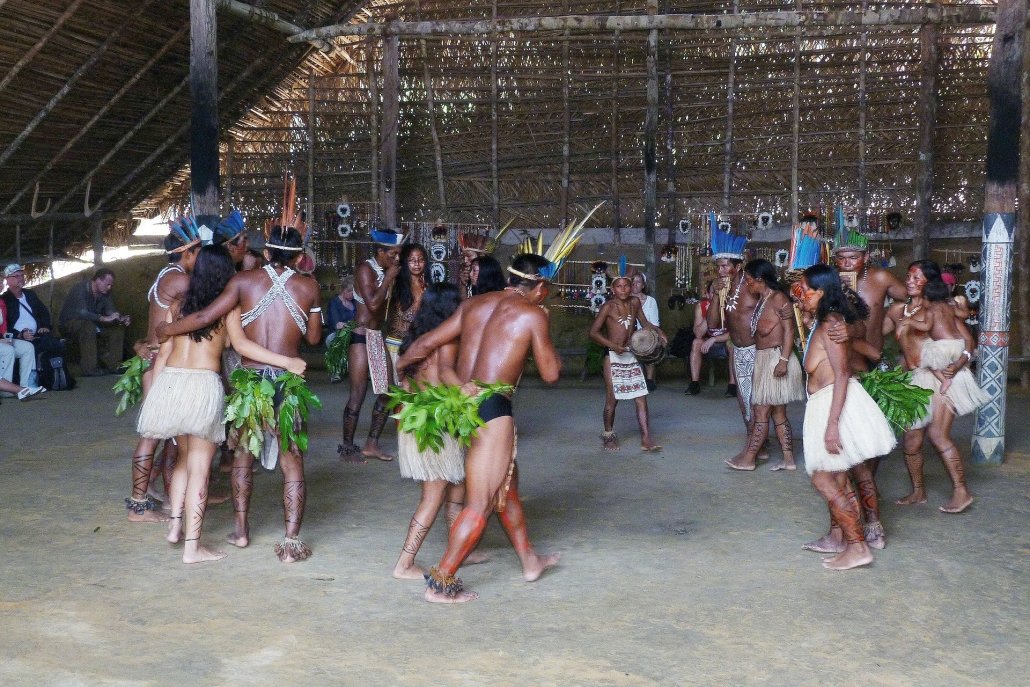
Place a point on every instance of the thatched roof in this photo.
(553, 120)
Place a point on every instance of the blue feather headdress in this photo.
(390, 239)
(229, 227)
(848, 239)
(725, 244)
(186, 231)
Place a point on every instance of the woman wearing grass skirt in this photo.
(442, 473)
(843, 425)
(187, 399)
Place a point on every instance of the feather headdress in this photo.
(623, 270)
(561, 247)
(725, 244)
(390, 239)
(290, 218)
(231, 226)
(184, 229)
(847, 238)
(806, 249)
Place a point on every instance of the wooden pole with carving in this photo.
(999, 227)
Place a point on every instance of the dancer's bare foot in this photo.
(535, 565)
(408, 572)
(373, 451)
(831, 542)
(202, 555)
(784, 465)
(610, 441)
(875, 537)
(174, 529)
(155, 493)
(239, 539)
(853, 556)
(737, 463)
(435, 597)
(650, 447)
(762, 456)
(292, 550)
(958, 502)
(916, 497)
(350, 453)
(149, 516)
(475, 558)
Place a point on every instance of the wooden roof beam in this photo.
(44, 39)
(950, 14)
(271, 20)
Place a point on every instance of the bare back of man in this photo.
(497, 332)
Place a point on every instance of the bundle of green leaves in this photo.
(337, 350)
(296, 405)
(431, 411)
(250, 408)
(130, 384)
(901, 401)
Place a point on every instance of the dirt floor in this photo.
(676, 571)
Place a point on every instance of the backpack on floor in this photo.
(53, 373)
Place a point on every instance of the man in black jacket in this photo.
(29, 318)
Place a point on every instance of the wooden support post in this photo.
(50, 261)
(795, 129)
(929, 54)
(98, 241)
(1023, 219)
(670, 152)
(427, 82)
(727, 163)
(495, 190)
(230, 166)
(566, 70)
(204, 112)
(391, 122)
(311, 148)
(616, 124)
(1004, 78)
(650, 146)
(373, 124)
(863, 68)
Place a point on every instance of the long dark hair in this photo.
(491, 275)
(764, 271)
(439, 301)
(402, 286)
(211, 273)
(936, 289)
(825, 278)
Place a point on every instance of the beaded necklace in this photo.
(756, 316)
(731, 303)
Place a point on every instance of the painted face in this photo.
(849, 260)
(638, 284)
(915, 282)
(754, 286)
(417, 263)
(474, 273)
(726, 268)
(622, 288)
(809, 297)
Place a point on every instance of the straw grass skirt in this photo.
(184, 401)
(428, 465)
(864, 431)
(964, 395)
(769, 390)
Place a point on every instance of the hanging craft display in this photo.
(974, 264)
(685, 226)
(725, 226)
(343, 229)
(765, 220)
(437, 273)
(669, 254)
(782, 255)
(343, 210)
(973, 291)
(438, 252)
(851, 219)
(893, 220)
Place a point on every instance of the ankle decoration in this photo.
(448, 585)
(292, 547)
(140, 506)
